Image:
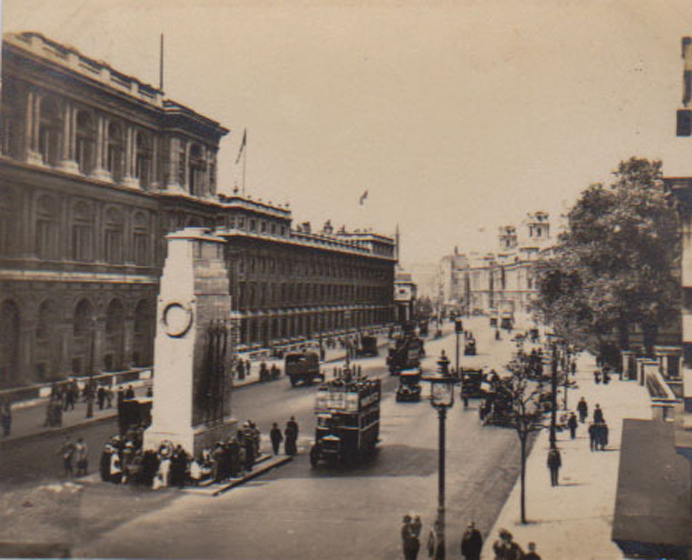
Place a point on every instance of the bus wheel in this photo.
(314, 456)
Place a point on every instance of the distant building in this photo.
(500, 281)
(96, 168)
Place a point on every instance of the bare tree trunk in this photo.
(523, 479)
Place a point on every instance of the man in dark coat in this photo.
(598, 415)
(554, 464)
(276, 437)
(291, 433)
(593, 437)
(572, 425)
(409, 537)
(471, 543)
(583, 409)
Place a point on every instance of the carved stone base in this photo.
(194, 440)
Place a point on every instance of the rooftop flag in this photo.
(242, 146)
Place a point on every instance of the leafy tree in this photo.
(617, 264)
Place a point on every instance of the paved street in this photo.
(295, 511)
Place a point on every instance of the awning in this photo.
(652, 506)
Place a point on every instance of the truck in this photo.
(405, 353)
(347, 413)
(303, 367)
(368, 346)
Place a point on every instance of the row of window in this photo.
(114, 242)
(269, 294)
(315, 267)
(84, 145)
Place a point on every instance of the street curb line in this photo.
(266, 468)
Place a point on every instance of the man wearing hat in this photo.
(409, 536)
(505, 548)
(471, 543)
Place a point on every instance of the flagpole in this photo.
(244, 164)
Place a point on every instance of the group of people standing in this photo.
(598, 429)
(504, 547)
(289, 437)
(74, 452)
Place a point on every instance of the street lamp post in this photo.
(441, 398)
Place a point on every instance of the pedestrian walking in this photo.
(434, 548)
(505, 548)
(583, 409)
(532, 554)
(247, 367)
(572, 424)
(597, 376)
(554, 464)
(291, 434)
(109, 397)
(6, 419)
(130, 393)
(81, 456)
(409, 538)
(593, 437)
(602, 436)
(101, 396)
(276, 437)
(471, 543)
(598, 414)
(66, 451)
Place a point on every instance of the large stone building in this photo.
(96, 168)
(500, 281)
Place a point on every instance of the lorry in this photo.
(368, 347)
(405, 353)
(303, 367)
(347, 411)
(409, 389)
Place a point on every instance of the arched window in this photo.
(115, 152)
(143, 159)
(141, 240)
(114, 234)
(47, 234)
(198, 168)
(46, 322)
(144, 334)
(85, 146)
(83, 319)
(8, 221)
(9, 343)
(82, 232)
(115, 329)
(50, 131)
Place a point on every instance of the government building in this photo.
(502, 281)
(96, 168)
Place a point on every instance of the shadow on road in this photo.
(389, 461)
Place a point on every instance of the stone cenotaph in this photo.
(193, 345)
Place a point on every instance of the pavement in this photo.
(574, 520)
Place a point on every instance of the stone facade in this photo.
(96, 168)
(500, 281)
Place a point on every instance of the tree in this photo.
(617, 263)
(526, 413)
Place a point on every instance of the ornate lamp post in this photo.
(441, 398)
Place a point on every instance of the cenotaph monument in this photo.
(193, 345)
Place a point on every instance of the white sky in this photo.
(456, 116)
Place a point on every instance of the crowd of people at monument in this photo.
(125, 460)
